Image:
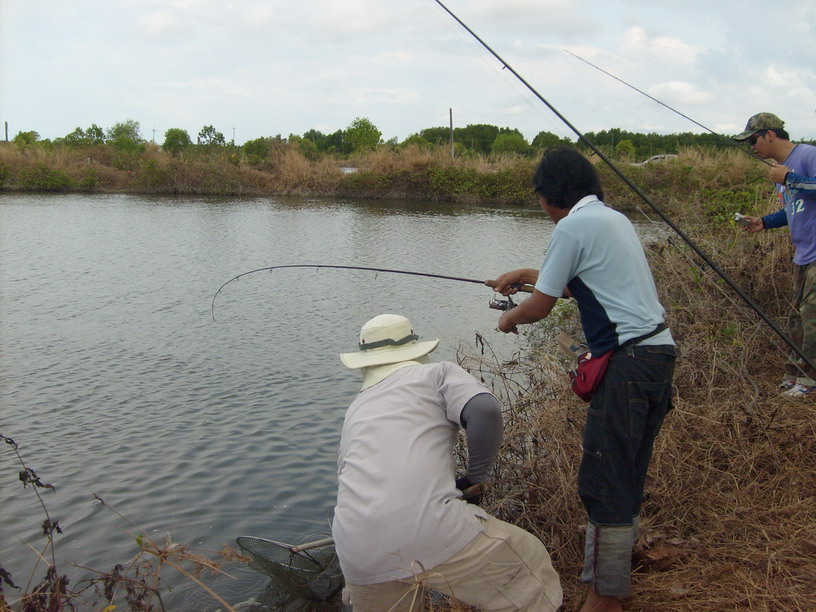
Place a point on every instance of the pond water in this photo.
(116, 379)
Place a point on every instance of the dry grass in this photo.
(730, 510)
(294, 175)
(411, 158)
(406, 172)
(729, 519)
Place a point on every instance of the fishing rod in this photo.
(729, 281)
(730, 141)
(494, 303)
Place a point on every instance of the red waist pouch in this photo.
(589, 374)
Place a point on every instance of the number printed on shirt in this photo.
(797, 206)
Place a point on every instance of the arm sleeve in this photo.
(558, 267)
(481, 417)
(799, 182)
(777, 219)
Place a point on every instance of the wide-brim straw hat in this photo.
(387, 338)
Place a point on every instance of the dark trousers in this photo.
(623, 420)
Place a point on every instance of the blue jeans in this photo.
(623, 420)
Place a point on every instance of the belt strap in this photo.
(654, 332)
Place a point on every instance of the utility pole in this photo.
(153, 140)
(6, 131)
(233, 137)
(451, 131)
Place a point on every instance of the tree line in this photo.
(361, 136)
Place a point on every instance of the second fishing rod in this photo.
(729, 141)
(700, 253)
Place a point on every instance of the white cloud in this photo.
(778, 76)
(658, 49)
(680, 94)
(387, 96)
(160, 24)
(352, 18)
(277, 66)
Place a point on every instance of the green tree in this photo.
(545, 140)
(128, 129)
(436, 135)
(209, 136)
(26, 138)
(477, 137)
(362, 135)
(317, 137)
(260, 149)
(256, 150)
(306, 147)
(417, 140)
(337, 143)
(95, 134)
(77, 138)
(510, 142)
(625, 149)
(176, 140)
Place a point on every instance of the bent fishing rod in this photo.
(721, 273)
(725, 139)
(495, 303)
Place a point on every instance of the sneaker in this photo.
(799, 390)
(788, 383)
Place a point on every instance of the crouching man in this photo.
(400, 524)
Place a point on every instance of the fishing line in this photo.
(487, 283)
(642, 196)
(720, 136)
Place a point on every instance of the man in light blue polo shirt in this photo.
(595, 256)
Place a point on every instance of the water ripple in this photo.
(116, 381)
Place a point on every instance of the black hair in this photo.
(564, 176)
(780, 133)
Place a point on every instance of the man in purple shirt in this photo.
(793, 169)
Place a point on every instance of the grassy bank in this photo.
(406, 173)
(730, 512)
(730, 508)
(712, 179)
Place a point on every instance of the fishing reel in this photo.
(499, 304)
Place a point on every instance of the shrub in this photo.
(720, 204)
(154, 176)
(26, 138)
(41, 177)
(127, 158)
(90, 180)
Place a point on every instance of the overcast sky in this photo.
(254, 68)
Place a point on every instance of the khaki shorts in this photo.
(503, 569)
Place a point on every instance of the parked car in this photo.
(654, 158)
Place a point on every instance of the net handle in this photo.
(310, 545)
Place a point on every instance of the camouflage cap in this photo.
(760, 121)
